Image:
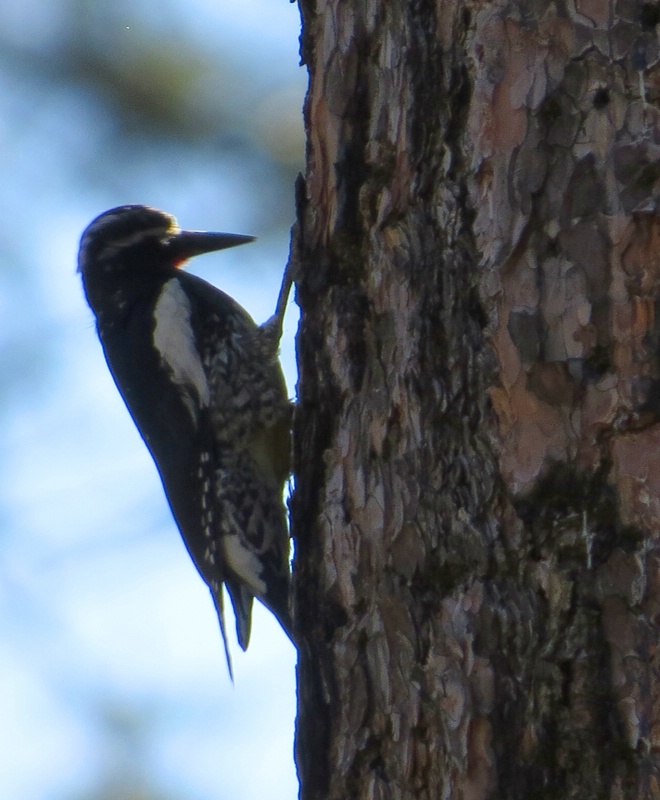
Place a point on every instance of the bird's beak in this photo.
(187, 244)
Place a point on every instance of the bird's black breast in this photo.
(161, 408)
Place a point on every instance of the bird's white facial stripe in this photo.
(244, 563)
(175, 341)
(135, 238)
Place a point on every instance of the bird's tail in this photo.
(241, 599)
(278, 605)
(216, 594)
(276, 601)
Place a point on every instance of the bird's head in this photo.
(138, 238)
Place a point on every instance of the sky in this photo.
(113, 682)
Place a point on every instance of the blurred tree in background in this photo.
(113, 682)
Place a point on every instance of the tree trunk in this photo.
(477, 438)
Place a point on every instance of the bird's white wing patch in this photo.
(175, 341)
(244, 563)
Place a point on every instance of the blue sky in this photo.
(111, 662)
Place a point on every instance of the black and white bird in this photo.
(205, 388)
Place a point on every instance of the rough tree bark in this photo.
(478, 438)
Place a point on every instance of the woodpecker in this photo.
(205, 389)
